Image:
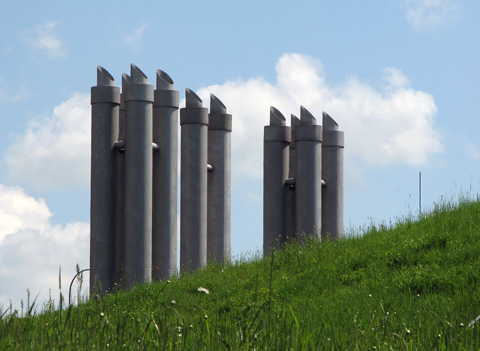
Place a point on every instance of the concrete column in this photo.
(105, 99)
(138, 95)
(219, 181)
(332, 174)
(291, 228)
(277, 137)
(120, 200)
(308, 177)
(165, 173)
(193, 183)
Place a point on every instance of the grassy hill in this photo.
(414, 286)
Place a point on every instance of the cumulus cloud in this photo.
(431, 13)
(44, 38)
(394, 125)
(32, 249)
(54, 152)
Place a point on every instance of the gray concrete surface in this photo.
(277, 137)
(105, 100)
(165, 175)
(308, 181)
(291, 227)
(193, 183)
(219, 182)
(332, 174)
(138, 96)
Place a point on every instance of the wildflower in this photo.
(206, 317)
(173, 302)
(408, 331)
(204, 290)
(461, 325)
(369, 295)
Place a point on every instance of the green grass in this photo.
(414, 285)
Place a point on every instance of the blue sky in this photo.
(401, 77)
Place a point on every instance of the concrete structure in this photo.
(332, 174)
(277, 137)
(193, 183)
(219, 181)
(138, 96)
(303, 179)
(291, 227)
(105, 100)
(308, 181)
(165, 174)
(120, 198)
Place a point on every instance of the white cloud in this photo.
(32, 249)
(54, 152)
(44, 38)
(391, 126)
(431, 13)
(133, 39)
(18, 211)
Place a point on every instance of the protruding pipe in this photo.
(219, 181)
(164, 82)
(193, 183)
(291, 228)
(165, 178)
(192, 100)
(306, 117)
(138, 96)
(277, 137)
(138, 77)
(217, 106)
(276, 117)
(105, 100)
(332, 173)
(104, 78)
(308, 181)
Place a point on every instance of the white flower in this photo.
(204, 290)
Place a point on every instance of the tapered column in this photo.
(165, 173)
(193, 183)
(332, 174)
(138, 96)
(105, 100)
(308, 176)
(277, 137)
(219, 181)
(291, 228)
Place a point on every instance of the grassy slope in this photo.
(413, 287)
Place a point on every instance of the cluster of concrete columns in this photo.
(134, 175)
(303, 179)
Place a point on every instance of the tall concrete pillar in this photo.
(138, 96)
(105, 100)
(120, 198)
(193, 183)
(219, 181)
(308, 176)
(277, 137)
(291, 227)
(165, 173)
(332, 174)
